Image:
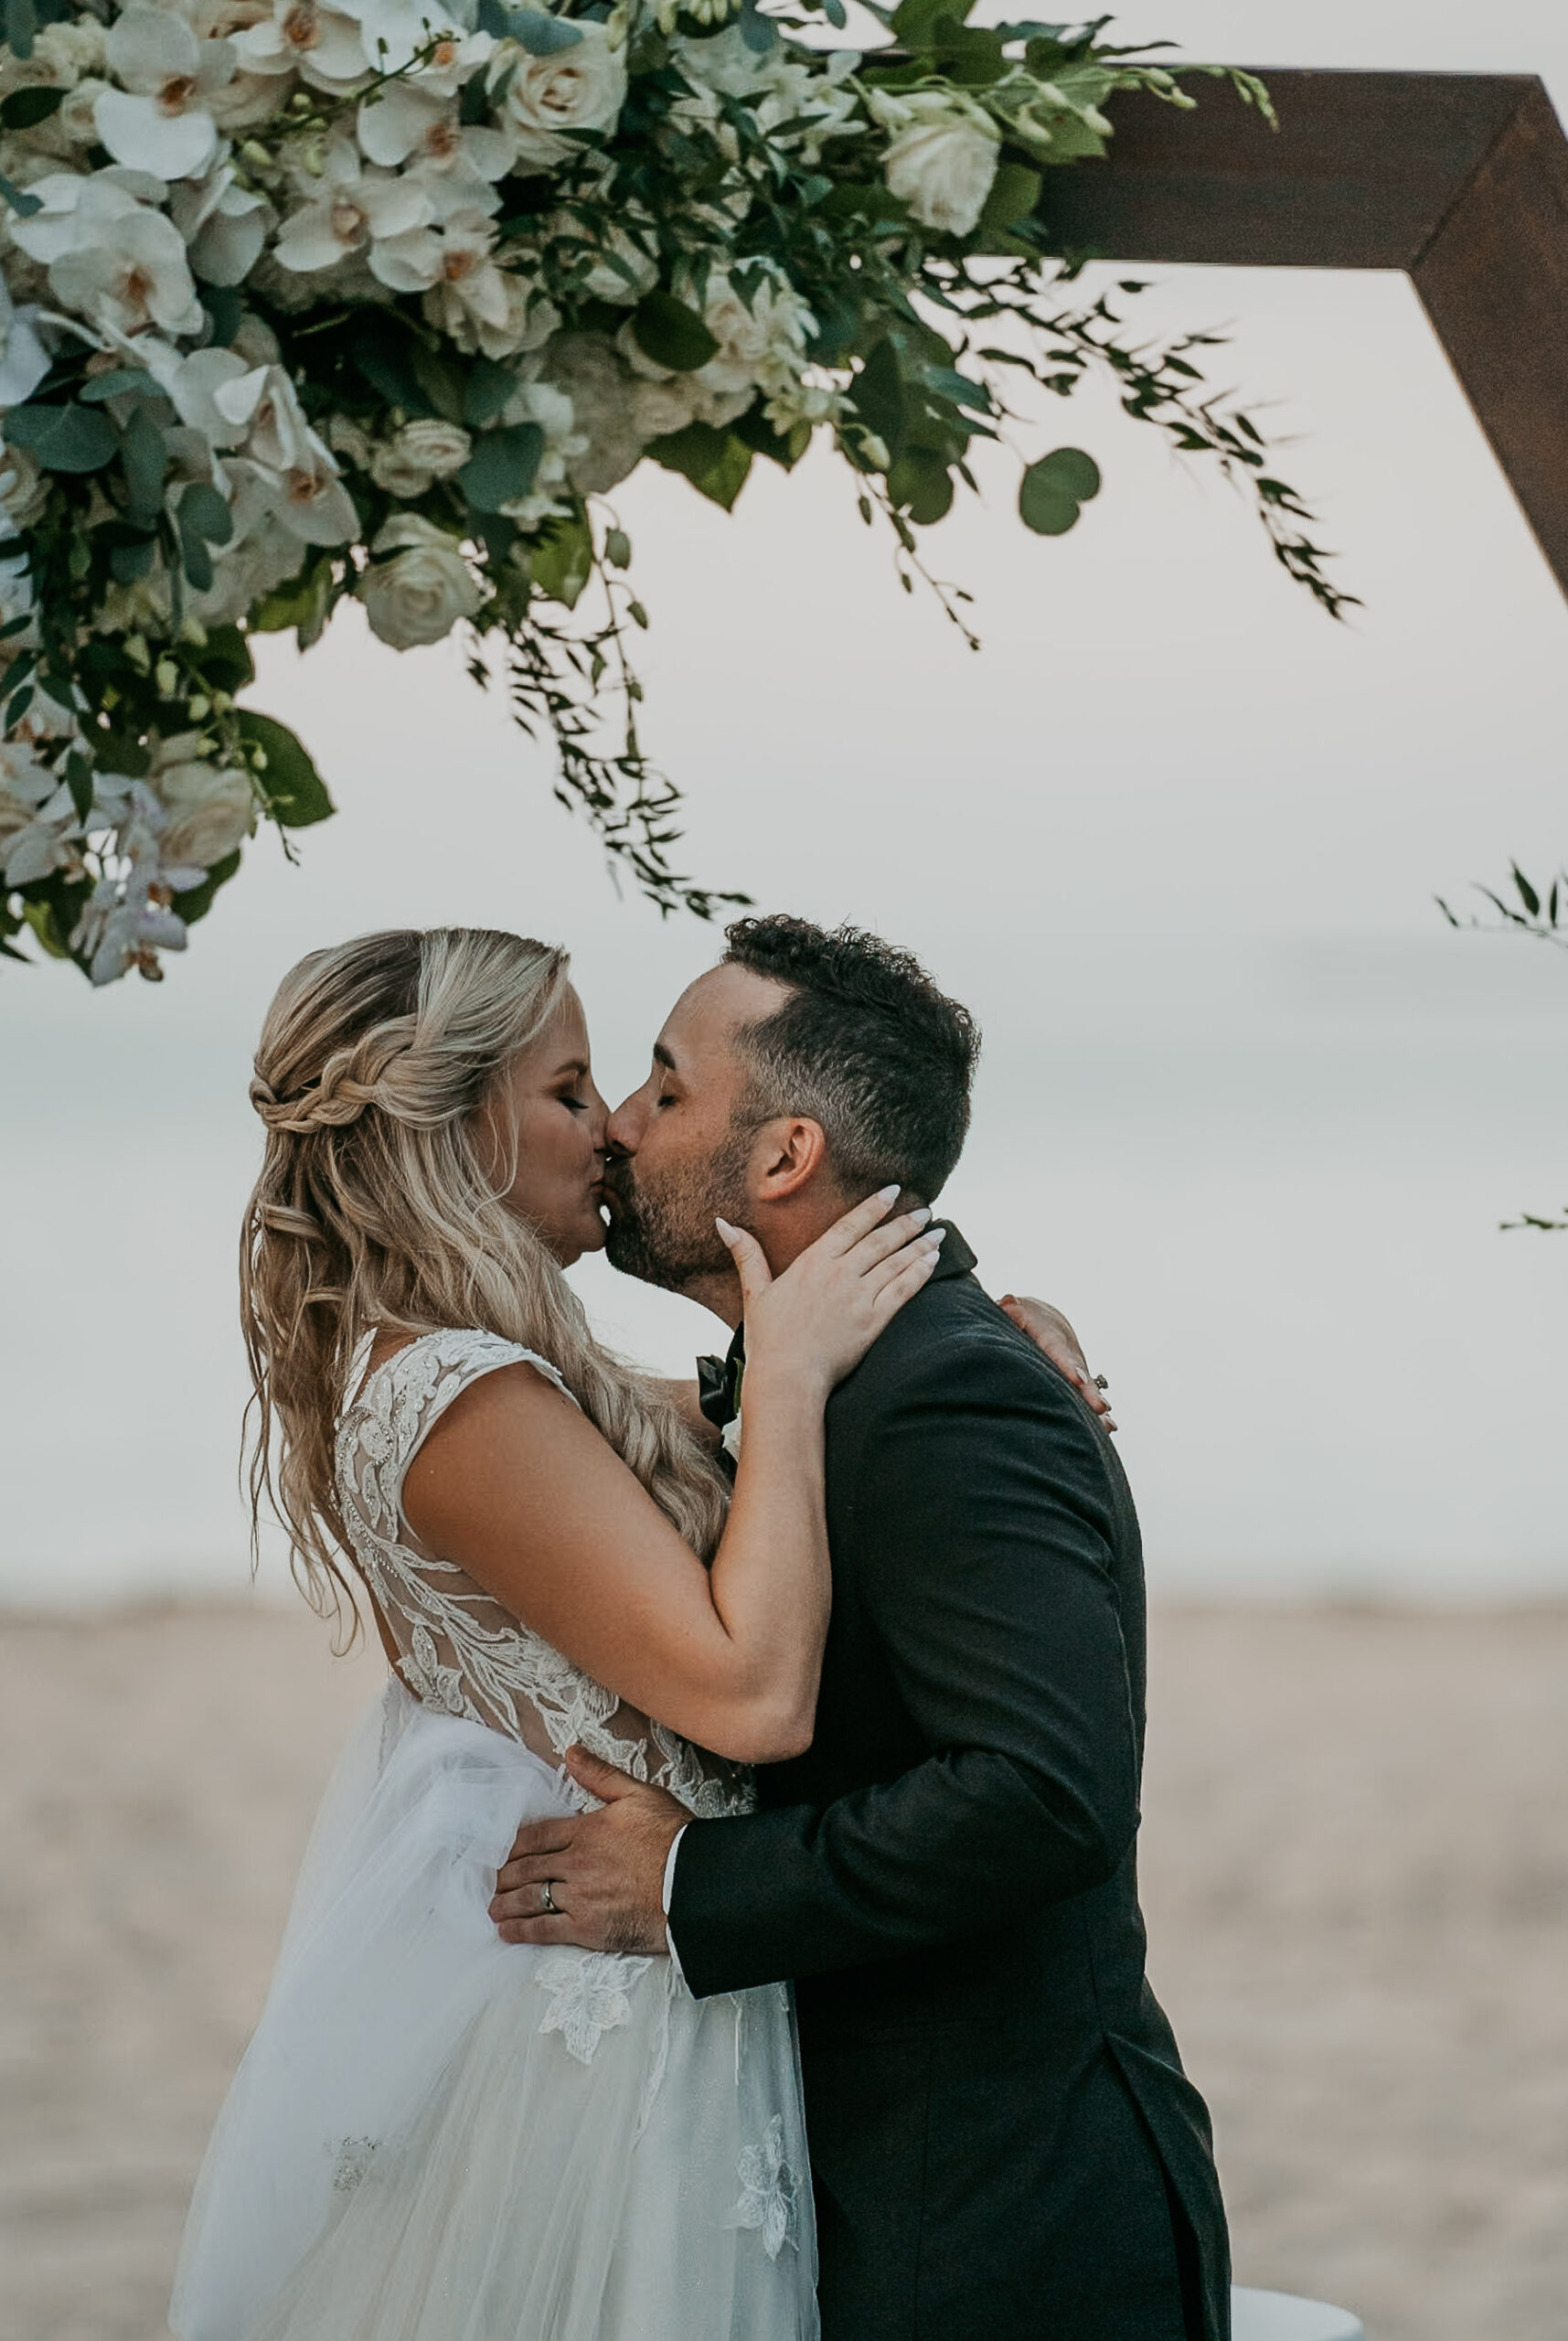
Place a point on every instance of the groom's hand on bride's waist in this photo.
(593, 1878)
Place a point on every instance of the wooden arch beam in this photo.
(1460, 179)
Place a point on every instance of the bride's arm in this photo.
(518, 1488)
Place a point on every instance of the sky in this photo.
(1248, 1108)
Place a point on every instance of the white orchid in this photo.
(321, 44)
(481, 306)
(39, 831)
(393, 32)
(313, 505)
(111, 257)
(23, 360)
(127, 921)
(159, 119)
(224, 225)
(357, 210)
(406, 124)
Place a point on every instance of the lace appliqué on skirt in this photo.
(770, 2191)
(589, 1996)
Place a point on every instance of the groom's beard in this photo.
(665, 1234)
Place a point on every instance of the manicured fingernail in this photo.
(888, 1195)
(725, 1230)
(920, 1213)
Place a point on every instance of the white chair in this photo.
(1279, 2316)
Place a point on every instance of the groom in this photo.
(1003, 2142)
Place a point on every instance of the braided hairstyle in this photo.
(380, 1207)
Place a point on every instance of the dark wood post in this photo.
(1460, 179)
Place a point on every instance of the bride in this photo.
(434, 2136)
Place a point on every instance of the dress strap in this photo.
(409, 1392)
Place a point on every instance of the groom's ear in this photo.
(789, 1157)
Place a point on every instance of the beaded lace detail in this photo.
(461, 1651)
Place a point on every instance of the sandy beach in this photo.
(1356, 1862)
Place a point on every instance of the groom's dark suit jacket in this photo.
(1003, 2140)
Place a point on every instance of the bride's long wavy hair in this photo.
(378, 1207)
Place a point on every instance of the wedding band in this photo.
(546, 1899)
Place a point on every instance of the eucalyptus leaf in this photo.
(502, 467)
(63, 438)
(133, 560)
(21, 203)
(382, 358)
(488, 387)
(144, 457)
(541, 35)
(1070, 472)
(1054, 491)
(197, 562)
(671, 334)
(21, 28)
(25, 109)
(879, 397)
(125, 383)
(921, 485)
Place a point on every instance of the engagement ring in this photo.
(546, 1899)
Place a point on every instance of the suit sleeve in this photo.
(982, 1524)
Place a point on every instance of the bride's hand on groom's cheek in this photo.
(604, 1870)
(1049, 1329)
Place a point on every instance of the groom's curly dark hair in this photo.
(866, 1046)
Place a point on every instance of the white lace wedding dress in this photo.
(435, 2136)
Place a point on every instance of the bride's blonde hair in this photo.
(380, 1206)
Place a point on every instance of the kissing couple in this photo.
(818, 1688)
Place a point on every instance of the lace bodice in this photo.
(459, 1650)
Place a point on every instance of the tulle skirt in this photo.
(437, 2136)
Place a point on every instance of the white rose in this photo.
(417, 594)
(211, 808)
(418, 455)
(23, 490)
(580, 87)
(68, 52)
(941, 158)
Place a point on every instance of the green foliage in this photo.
(716, 462)
(1540, 912)
(25, 109)
(294, 793)
(562, 564)
(503, 468)
(67, 438)
(1054, 492)
(671, 333)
